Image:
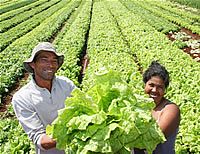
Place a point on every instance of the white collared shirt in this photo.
(36, 107)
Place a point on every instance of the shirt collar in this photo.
(40, 88)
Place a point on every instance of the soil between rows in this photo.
(187, 50)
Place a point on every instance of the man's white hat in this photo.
(43, 46)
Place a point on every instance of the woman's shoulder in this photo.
(171, 106)
(170, 118)
(171, 111)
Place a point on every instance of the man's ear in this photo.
(32, 65)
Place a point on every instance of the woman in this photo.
(166, 113)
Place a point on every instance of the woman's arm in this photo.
(169, 119)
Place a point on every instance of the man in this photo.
(36, 104)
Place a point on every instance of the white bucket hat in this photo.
(42, 46)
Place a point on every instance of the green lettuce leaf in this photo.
(107, 118)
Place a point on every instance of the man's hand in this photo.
(47, 142)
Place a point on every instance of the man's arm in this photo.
(29, 119)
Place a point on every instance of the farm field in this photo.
(116, 34)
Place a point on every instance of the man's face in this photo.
(45, 65)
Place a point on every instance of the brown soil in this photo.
(6, 99)
(189, 32)
(193, 55)
(170, 36)
(188, 49)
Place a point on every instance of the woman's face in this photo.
(155, 88)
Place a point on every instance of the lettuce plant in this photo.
(107, 118)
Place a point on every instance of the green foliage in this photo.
(108, 118)
(191, 3)
(72, 40)
(148, 44)
(27, 20)
(15, 5)
(7, 24)
(179, 44)
(13, 140)
(14, 12)
(177, 16)
(159, 23)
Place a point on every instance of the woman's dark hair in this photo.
(156, 69)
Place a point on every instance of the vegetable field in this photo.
(119, 35)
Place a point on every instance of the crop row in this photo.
(153, 41)
(7, 24)
(175, 18)
(185, 14)
(21, 29)
(72, 42)
(159, 23)
(14, 5)
(6, 2)
(193, 3)
(82, 18)
(14, 12)
(12, 138)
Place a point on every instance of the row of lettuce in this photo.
(12, 137)
(177, 16)
(90, 122)
(14, 12)
(194, 3)
(25, 22)
(119, 39)
(11, 5)
(7, 24)
(134, 36)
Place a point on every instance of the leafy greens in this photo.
(107, 118)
